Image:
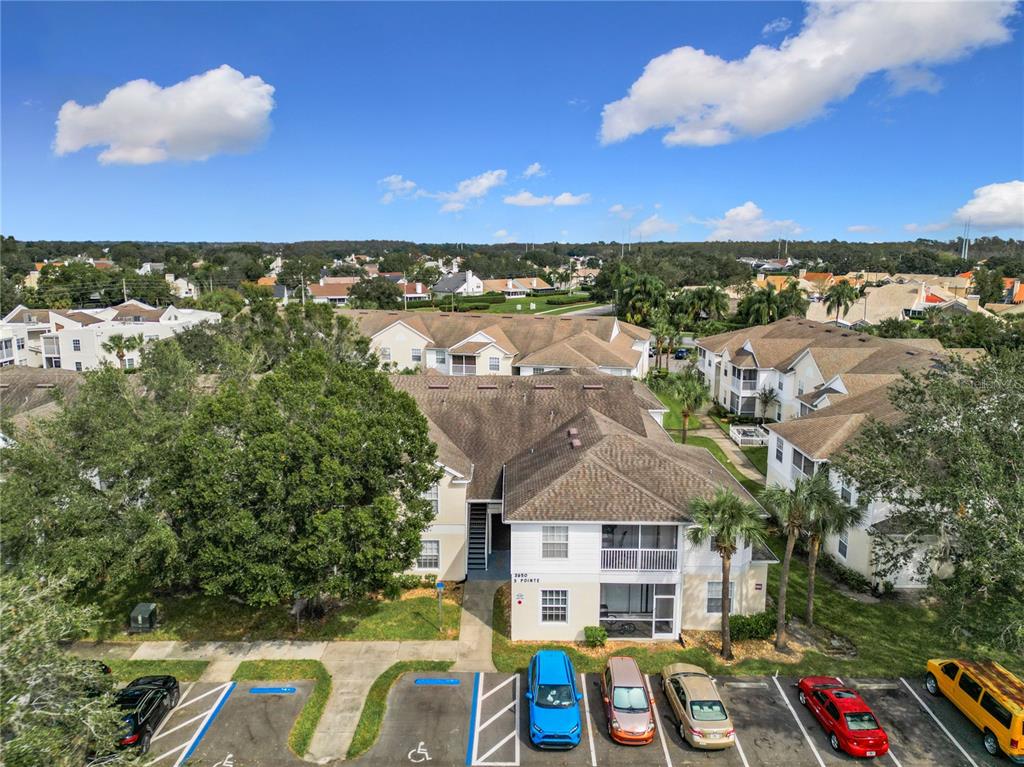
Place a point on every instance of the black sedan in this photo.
(145, 702)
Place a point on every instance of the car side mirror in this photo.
(529, 695)
(579, 696)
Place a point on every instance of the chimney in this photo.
(973, 302)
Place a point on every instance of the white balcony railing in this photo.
(649, 560)
(463, 370)
(748, 436)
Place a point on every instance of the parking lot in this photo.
(244, 724)
(482, 720)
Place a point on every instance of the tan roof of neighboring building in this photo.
(29, 393)
(527, 283)
(533, 340)
(1000, 309)
(331, 290)
(494, 419)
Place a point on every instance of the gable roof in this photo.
(450, 283)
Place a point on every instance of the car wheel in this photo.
(834, 741)
(931, 684)
(802, 697)
(145, 741)
(174, 698)
(991, 744)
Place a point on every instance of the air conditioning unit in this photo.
(143, 618)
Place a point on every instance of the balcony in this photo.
(640, 560)
(748, 436)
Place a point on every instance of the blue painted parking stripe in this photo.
(437, 681)
(272, 690)
(213, 715)
(472, 719)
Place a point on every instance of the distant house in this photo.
(268, 280)
(330, 290)
(415, 291)
(895, 300)
(459, 284)
(181, 287)
(516, 287)
(151, 267)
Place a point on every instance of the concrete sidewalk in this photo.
(353, 667)
(732, 451)
(475, 632)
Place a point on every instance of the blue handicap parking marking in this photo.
(447, 682)
(272, 690)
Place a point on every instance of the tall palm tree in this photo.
(793, 511)
(685, 308)
(762, 306)
(120, 346)
(712, 302)
(793, 300)
(686, 389)
(831, 518)
(725, 519)
(663, 332)
(641, 297)
(767, 397)
(840, 297)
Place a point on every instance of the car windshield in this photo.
(629, 699)
(861, 720)
(555, 696)
(708, 711)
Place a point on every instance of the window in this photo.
(715, 597)
(799, 388)
(494, 364)
(950, 670)
(440, 357)
(76, 345)
(969, 686)
(782, 385)
(999, 712)
(846, 494)
(844, 543)
(802, 463)
(431, 495)
(21, 343)
(129, 363)
(385, 354)
(554, 542)
(554, 606)
(778, 449)
(832, 710)
(78, 366)
(430, 555)
(417, 355)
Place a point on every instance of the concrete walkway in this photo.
(353, 667)
(475, 632)
(732, 451)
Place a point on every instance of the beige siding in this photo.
(747, 597)
(400, 340)
(449, 529)
(584, 607)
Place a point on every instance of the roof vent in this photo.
(478, 316)
(591, 319)
(437, 385)
(444, 314)
(863, 340)
(487, 386)
(573, 432)
(592, 386)
(543, 386)
(46, 385)
(846, 335)
(574, 443)
(911, 354)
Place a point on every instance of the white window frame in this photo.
(76, 345)
(417, 355)
(553, 594)
(78, 366)
(129, 363)
(385, 354)
(21, 344)
(441, 356)
(494, 364)
(419, 559)
(780, 453)
(709, 597)
(843, 544)
(554, 536)
(432, 496)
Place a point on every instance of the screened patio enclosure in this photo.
(638, 610)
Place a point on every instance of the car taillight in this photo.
(129, 739)
(730, 733)
(697, 733)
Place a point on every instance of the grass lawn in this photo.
(571, 308)
(752, 486)
(197, 617)
(892, 639)
(376, 704)
(286, 671)
(184, 670)
(541, 304)
(757, 456)
(674, 419)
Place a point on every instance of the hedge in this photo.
(567, 300)
(756, 626)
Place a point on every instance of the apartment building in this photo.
(464, 344)
(73, 338)
(568, 485)
(898, 301)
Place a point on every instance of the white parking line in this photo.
(171, 712)
(501, 743)
(514, 705)
(798, 722)
(225, 690)
(183, 724)
(657, 720)
(894, 759)
(502, 711)
(941, 725)
(497, 687)
(166, 754)
(590, 722)
(739, 750)
(180, 706)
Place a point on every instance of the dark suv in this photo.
(145, 702)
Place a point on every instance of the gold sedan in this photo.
(702, 717)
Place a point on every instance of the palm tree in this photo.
(831, 518)
(840, 297)
(725, 520)
(767, 397)
(120, 346)
(663, 332)
(793, 300)
(641, 297)
(794, 510)
(712, 302)
(761, 307)
(685, 389)
(685, 309)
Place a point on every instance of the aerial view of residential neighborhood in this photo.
(512, 384)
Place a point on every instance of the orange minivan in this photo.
(987, 694)
(627, 705)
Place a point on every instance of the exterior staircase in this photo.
(477, 553)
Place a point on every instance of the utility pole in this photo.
(124, 290)
(302, 287)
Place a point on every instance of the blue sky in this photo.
(867, 117)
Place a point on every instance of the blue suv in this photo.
(554, 701)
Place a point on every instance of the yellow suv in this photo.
(987, 694)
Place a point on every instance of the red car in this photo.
(849, 723)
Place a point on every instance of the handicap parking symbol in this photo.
(419, 754)
(227, 761)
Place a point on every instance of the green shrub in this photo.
(567, 300)
(718, 411)
(481, 307)
(843, 574)
(756, 626)
(595, 636)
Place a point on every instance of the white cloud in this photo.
(534, 169)
(996, 206)
(747, 222)
(925, 228)
(526, 199)
(219, 111)
(396, 186)
(501, 233)
(654, 225)
(621, 211)
(566, 198)
(860, 228)
(504, 235)
(907, 79)
(705, 100)
(470, 189)
(775, 26)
